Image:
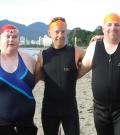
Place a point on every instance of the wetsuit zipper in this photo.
(110, 83)
(109, 71)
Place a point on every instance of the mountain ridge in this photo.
(31, 32)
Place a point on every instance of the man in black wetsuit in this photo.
(58, 67)
(103, 57)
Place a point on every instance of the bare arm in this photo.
(79, 54)
(39, 68)
(86, 63)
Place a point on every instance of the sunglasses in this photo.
(56, 19)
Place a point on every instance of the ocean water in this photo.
(32, 51)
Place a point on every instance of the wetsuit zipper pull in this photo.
(109, 58)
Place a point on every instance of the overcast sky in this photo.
(86, 14)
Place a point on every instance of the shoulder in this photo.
(25, 56)
(76, 48)
(79, 49)
(40, 55)
(46, 50)
(79, 52)
(28, 60)
(93, 44)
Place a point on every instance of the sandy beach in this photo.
(84, 100)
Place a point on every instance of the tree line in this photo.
(82, 37)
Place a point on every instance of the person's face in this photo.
(9, 40)
(58, 35)
(112, 31)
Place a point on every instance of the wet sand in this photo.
(84, 100)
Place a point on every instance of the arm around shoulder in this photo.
(86, 63)
(96, 37)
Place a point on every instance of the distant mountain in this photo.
(37, 29)
(32, 31)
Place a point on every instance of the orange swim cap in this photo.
(57, 21)
(112, 17)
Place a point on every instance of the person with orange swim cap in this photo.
(103, 57)
(59, 65)
(17, 103)
(112, 17)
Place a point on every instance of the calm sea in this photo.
(32, 51)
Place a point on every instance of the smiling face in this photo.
(9, 39)
(111, 28)
(58, 32)
(111, 31)
(58, 35)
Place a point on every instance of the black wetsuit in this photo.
(17, 104)
(59, 103)
(106, 90)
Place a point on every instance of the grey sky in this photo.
(86, 14)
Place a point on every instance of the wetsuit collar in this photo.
(59, 49)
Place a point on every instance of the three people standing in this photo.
(58, 66)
